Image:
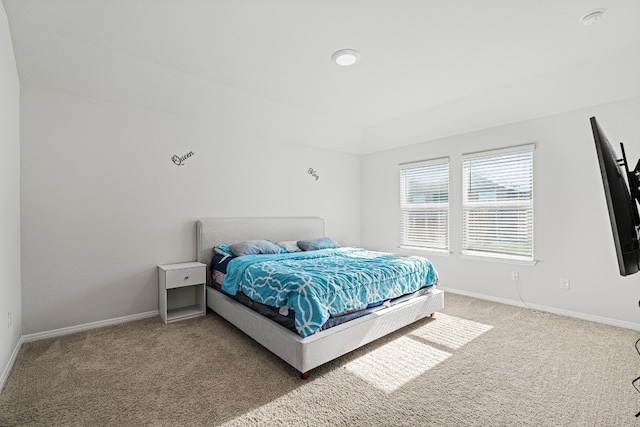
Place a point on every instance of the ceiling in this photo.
(428, 69)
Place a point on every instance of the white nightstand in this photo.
(181, 290)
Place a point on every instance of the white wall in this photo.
(572, 232)
(10, 201)
(103, 204)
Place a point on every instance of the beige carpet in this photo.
(477, 363)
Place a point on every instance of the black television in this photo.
(622, 192)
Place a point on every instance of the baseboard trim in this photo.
(9, 367)
(583, 316)
(87, 326)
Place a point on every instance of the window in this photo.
(424, 204)
(497, 205)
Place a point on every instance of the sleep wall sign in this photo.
(179, 160)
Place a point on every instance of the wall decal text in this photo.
(179, 160)
(313, 173)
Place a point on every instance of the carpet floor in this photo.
(477, 363)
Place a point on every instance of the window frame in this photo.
(406, 242)
(526, 206)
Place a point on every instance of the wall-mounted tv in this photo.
(622, 192)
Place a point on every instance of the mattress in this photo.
(288, 320)
(311, 291)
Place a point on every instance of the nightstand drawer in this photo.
(185, 277)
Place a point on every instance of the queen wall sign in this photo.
(179, 160)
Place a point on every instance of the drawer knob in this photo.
(187, 277)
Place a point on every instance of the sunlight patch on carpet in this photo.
(396, 363)
(450, 331)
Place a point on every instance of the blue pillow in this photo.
(316, 244)
(254, 247)
(223, 250)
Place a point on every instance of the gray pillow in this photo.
(289, 245)
(316, 244)
(254, 247)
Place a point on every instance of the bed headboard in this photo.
(212, 232)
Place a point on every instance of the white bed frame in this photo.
(307, 353)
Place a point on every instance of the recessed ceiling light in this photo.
(345, 57)
(592, 17)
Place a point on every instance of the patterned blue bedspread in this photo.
(324, 283)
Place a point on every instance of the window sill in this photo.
(424, 251)
(499, 259)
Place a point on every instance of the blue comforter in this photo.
(324, 283)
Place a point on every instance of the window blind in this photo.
(424, 204)
(497, 203)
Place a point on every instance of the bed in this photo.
(302, 353)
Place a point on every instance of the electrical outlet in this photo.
(515, 275)
(564, 283)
